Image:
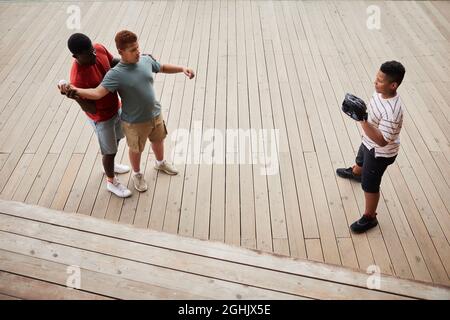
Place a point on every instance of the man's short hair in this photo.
(124, 38)
(394, 70)
(79, 43)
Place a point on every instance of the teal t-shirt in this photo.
(134, 82)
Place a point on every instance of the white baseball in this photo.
(62, 82)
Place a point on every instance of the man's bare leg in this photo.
(108, 166)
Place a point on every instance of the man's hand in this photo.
(72, 93)
(189, 73)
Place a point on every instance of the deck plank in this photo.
(173, 262)
(278, 65)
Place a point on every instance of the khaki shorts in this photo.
(138, 133)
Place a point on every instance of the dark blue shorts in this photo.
(373, 168)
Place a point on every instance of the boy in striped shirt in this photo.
(380, 141)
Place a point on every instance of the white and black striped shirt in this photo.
(387, 116)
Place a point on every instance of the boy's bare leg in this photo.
(164, 166)
(135, 160)
(158, 150)
(371, 203)
(371, 198)
(357, 170)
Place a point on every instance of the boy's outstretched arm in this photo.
(171, 68)
(373, 133)
(91, 94)
(86, 105)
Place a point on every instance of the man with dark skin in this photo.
(92, 62)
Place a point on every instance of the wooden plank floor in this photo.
(263, 67)
(46, 253)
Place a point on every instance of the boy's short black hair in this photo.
(394, 70)
(79, 43)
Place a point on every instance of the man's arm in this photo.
(171, 68)
(373, 133)
(87, 105)
(114, 62)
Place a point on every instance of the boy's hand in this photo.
(63, 88)
(189, 73)
(69, 90)
(365, 117)
(354, 107)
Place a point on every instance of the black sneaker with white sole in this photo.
(363, 224)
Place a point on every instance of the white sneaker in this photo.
(118, 189)
(119, 168)
(139, 182)
(166, 167)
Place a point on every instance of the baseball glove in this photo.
(354, 107)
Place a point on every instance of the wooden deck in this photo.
(260, 65)
(40, 249)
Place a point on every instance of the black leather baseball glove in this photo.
(354, 107)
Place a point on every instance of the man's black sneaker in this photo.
(347, 173)
(363, 224)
